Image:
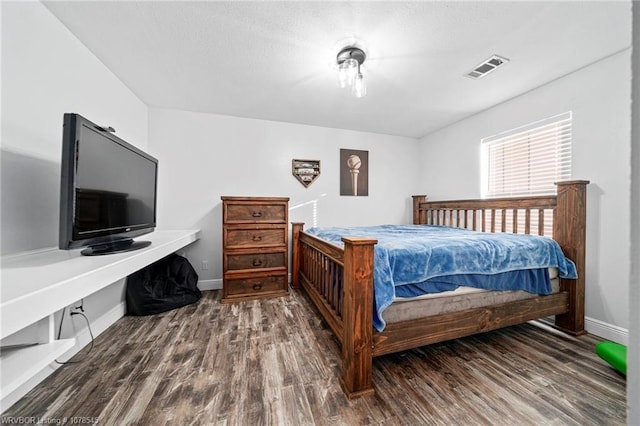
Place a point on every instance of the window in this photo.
(527, 160)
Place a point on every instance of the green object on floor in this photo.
(615, 354)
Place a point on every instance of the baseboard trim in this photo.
(607, 331)
(205, 285)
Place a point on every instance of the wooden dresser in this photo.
(254, 247)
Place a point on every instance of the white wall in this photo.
(204, 156)
(46, 72)
(599, 97)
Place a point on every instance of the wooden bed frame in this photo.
(339, 280)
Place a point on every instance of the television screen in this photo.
(108, 189)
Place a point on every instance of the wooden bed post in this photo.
(569, 230)
(417, 199)
(357, 317)
(296, 227)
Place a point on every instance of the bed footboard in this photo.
(340, 283)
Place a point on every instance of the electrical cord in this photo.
(88, 327)
(61, 321)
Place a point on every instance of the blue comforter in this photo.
(428, 259)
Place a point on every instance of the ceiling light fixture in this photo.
(349, 61)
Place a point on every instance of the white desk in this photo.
(35, 285)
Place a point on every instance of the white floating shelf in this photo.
(35, 285)
(22, 363)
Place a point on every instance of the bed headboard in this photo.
(561, 216)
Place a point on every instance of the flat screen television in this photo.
(108, 190)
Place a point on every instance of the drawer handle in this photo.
(257, 238)
(257, 262)
(257, 214)
(257, 287)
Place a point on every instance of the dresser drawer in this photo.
(239, 212)
(240, 261)
(255, 286)
(254, 237)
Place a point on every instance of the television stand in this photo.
(113, 247)
(36, 285)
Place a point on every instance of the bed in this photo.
(339, 280)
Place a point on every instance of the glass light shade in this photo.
(347, 72)
(342, 77)
(359, 88)
(352, 71)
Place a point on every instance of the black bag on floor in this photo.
(167, 284)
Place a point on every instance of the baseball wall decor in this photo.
(306, 171)
(354, 172)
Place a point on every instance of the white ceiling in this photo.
(276, 60)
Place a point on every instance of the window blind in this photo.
(527, 160)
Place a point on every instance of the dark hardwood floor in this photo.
(274, 362)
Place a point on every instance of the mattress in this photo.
(410, 260)
(404, 309)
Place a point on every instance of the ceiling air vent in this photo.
(486, 66)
